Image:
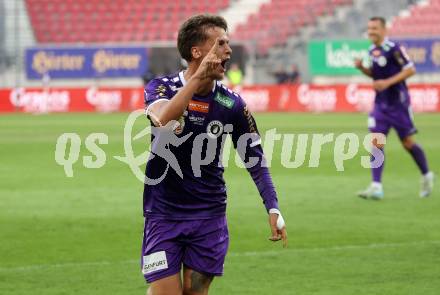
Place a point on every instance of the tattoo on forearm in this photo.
(199, 282)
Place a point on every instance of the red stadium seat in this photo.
(91, 21)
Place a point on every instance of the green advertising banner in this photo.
(335, 57)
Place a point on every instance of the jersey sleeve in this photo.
(401, 57)
(156, 90)
(244, 123)
(246, 140)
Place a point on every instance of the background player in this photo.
(185, 217)
(390, 67)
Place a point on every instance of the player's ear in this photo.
(195, 52)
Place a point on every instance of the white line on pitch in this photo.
(231, 254)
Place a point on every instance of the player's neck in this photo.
(380, 42)
(205, 88)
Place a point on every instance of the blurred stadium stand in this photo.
(419, 20)
(274, 32)
(347, 22)
(97, 21)
(277, 20)
(15, 35)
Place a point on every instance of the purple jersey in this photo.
(204, 196)
(387, 60)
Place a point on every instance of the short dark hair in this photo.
(379, 19)
(193, 32)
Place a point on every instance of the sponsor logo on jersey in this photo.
(154, 262)
(376, 52)
(196, 120)
(197, 106)
(224, 100)
(214, 129)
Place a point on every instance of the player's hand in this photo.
(210, 63)
(358, 63)
(278, 229)
(381, 85)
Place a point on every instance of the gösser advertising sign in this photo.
(270, 98)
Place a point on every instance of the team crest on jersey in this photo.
(214, 129)
(382, 61)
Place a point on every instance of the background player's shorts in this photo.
(401, 120)
(199, 244)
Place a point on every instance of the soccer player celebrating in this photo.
(185, 223)
(389, 67)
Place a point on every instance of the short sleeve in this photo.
(156, 90)
(401, 56)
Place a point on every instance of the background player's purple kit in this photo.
(389, 67)
(392, 105)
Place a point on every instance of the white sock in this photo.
(428, 174)
(376, 184)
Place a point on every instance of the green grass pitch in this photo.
(82, 235)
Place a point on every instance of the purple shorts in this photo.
(198, 244)
(401, 121)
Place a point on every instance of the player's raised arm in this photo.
(247, 141)
(165, 110)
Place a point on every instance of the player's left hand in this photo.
(381, 85)
(278, 228)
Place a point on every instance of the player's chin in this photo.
(220, 75)
(372, 38)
